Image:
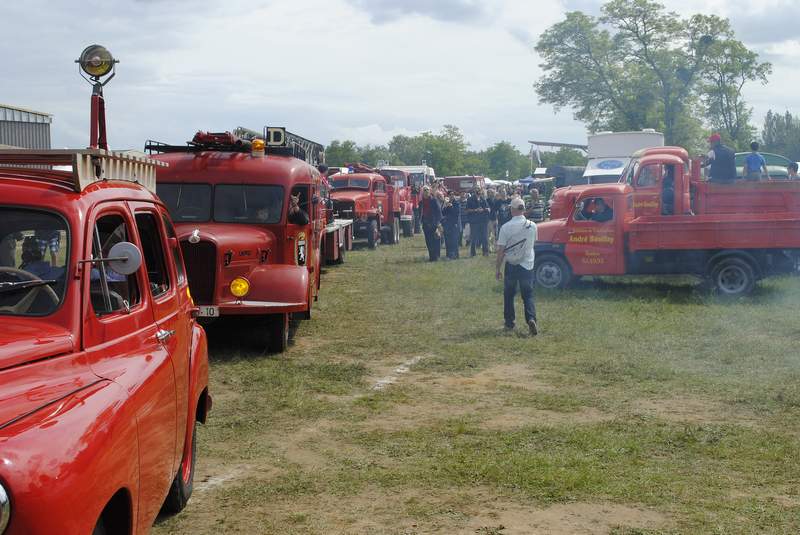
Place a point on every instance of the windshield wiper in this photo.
(23, 285)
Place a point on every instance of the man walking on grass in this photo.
(515, 248)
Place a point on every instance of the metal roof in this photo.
(22, 115)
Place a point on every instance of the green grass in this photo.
(638, 392)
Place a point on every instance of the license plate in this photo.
(209, 312)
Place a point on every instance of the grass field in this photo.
(642, 407)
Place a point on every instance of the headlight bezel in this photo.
(5, 508)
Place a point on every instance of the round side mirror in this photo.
(127, 258)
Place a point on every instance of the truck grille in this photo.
(201, 266)
(344, 209)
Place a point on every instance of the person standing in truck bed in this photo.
(722, 161)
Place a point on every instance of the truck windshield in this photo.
(187, 202)
(341, 183)
(247, 203)
(34, 248)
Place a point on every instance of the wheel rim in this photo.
(549, 275)
(732, 279)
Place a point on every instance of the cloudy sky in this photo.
(327, 69)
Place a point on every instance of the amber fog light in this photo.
(5, 509)
(240, 287)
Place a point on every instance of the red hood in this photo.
(28, 339)
(547, 231)
(350, 195)
(234, 237)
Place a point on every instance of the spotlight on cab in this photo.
(96, 61)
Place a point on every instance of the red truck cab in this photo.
(464, 184)
(247, 253)
(103, 370)
(409, 197)
(371, 203)
(663, 219)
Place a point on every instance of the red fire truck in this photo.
(250, 223)
(409, 197)
(663, 219)
(418, 176)
(370, 202)
(464, 183)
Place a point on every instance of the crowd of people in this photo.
(454, 219)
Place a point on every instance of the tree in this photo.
(340, 153)
(729, 67)
(564, 156)
(638, 66)
(781, 135)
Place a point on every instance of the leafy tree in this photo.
(729, 66)
(340, 153)
(564, 156)
(637, 66)
(781, 135)
(372, 154)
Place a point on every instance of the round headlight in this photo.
(96, 61)
(5, 509)
(240, 287)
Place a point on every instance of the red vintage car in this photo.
(103, 370)
(247, 253)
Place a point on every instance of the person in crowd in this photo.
(503, 210)
(791, 169)
(464, 218)
(515, 249)
(755, 166)
(491, 226)
(431, 220)
(602, 212)
(297, 216)
(478, 212)
(721, 161)
(451, 224)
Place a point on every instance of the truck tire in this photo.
(733, 276)
(373, 234)
(408, 229)
(277, 333)
(552, 272)
(181, 489)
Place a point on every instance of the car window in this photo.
(246, 203)
(34, 247)
(153, 252)
(380, 187)
(110, 291)
(179, 266)
(186, 202)
(596, 209)
(649, 175)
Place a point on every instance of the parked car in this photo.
(103, 369)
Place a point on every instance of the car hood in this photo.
(548, 231)
(350, 195)
(28, 339)
(239, 239)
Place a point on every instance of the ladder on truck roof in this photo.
(304, 149)
(87, 165)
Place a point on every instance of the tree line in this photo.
(639, 66)
(449, 154)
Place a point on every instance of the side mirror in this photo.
(124, 258)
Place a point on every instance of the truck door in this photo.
(307, 241)
(379, 190)
(122, 343)
(594, 229)
(647, 190)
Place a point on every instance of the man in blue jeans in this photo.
(515, 248)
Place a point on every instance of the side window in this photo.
(649, 175)
(595, 209)
(153, 253)
(380, 187)
(179, 267)
(110, 291)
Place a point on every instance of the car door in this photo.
(647, 190)
(120, 337)
(171, 309)
(593, 246)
